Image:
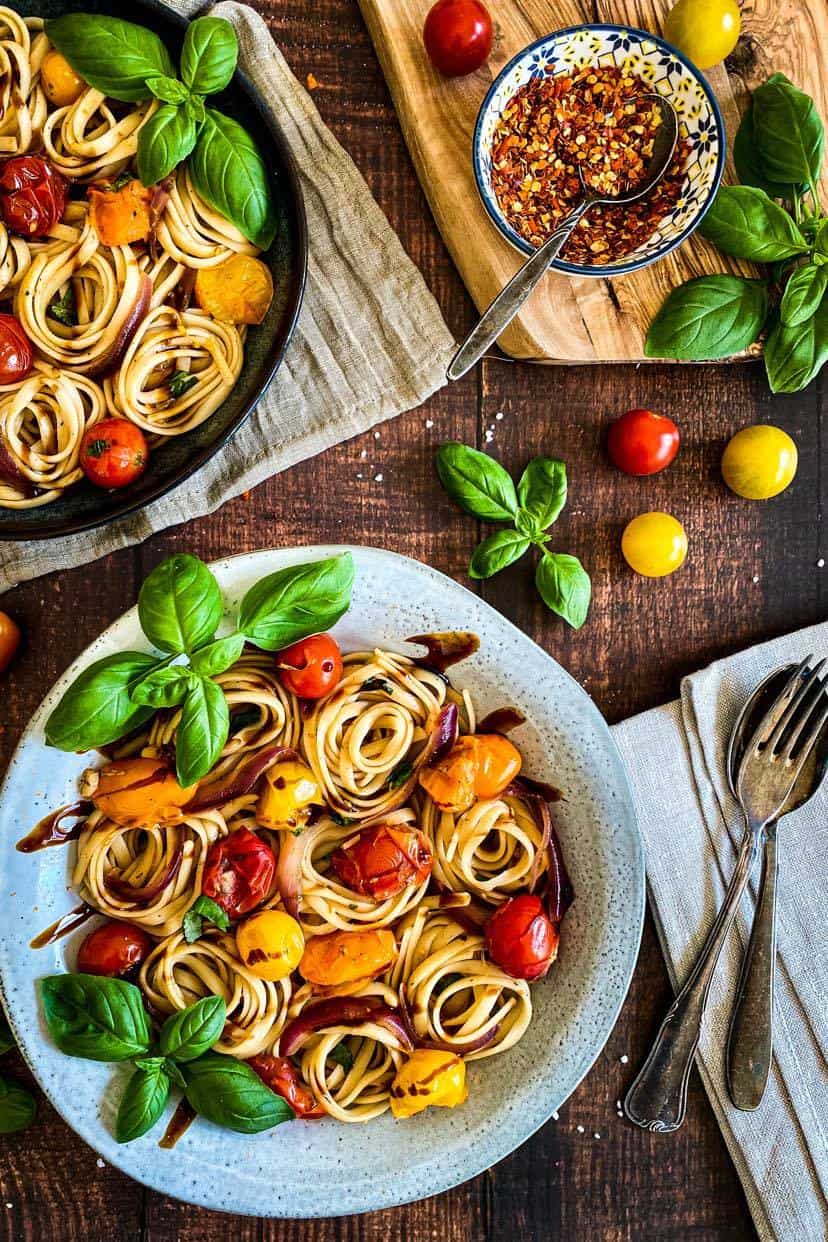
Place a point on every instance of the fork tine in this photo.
(813, 721)
(795, 706)
(778, 706)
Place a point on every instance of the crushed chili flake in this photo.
(595, 120)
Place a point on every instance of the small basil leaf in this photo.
(218, 656)
(18, 1107)
(209, 55)
(341, 1054)
(709, 317)
(528, 525)
(202, 731)
(744, 222)
(142, 1103)
(186, 1035)
(788, 130)
(820, 255)
(168, 90)
(803, 294)
(192, 926)
(97, 708)
(477, 482)
(208, 909)
(228, 1093)
(164, 141)
(795, 353)
(400, 775)
(496, 552)
(114, 56)
(564, 586)
(164, 687)
(95, 1017)
(179, 605)
(746, 159)
(541, 490)
(228, 171)
(174, 1074)
(7, 1041)
(149, 1063)
(294, 602)
(195, 107)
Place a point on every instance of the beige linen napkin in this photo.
(370, 341)
(691, 826)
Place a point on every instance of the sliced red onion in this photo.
(10, 472)
(149, 892)
(289, 868)
(111, 359)
(559, 891)
(342, 1011)
(241, 782)
(445, 732)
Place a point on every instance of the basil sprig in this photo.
(114, 56)
(203, 908)
(482, 487)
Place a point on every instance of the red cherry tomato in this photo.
(641, 442)
(239, 872)
(9, 640)
(521, 938)
(282, 1076)
(312, 667)
(458, 36)
(32, 195)
(113, 949)
(15, 351)
(113, 452)
(382, 861)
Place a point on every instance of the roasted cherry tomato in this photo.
(9, 640)
(705, 30)
(113, 949)
(288, 792)
(282, 1076)
(32, 195)
(641, 442)
(759, 462)
(15, 350)
(479, 765)
(428, 1077)
(61, 85)
(270, 944)
(135, 792)
(312, 667)
(381, 861)
(113, 453)
(654, 544)
(521, 938)
(346, 957)
(458, 36)
(239, 872)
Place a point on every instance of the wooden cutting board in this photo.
(570, 319)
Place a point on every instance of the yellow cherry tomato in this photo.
(759, 462)
(61, 85)
(654, 544)
(270, 944)
(428, 1077)
(288, 792)
(706, 31)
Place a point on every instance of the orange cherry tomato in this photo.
(113, 453)
(122, 216)
(113, 949)
(345, 957)
(138, 791)
(498, 763)
(521, 938)
(282, 1076)
(458, 36)
(9, 640)
(15, 351)
(641, 442)
(479, 765)
(312, 667)
(383, 860)
(239, 872)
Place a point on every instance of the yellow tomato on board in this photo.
(270, 944)
(706, 31)
(654, 544)
(61, 85)
(428, 1077)
(759, 462)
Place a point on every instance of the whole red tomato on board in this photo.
(383, 860)
(282, 1076)
(458, 36)
(15, 350)
(239, 872)
(113, 949)
(9, 640)
(641, 442)
(113, 453)
(32, 195)
(312, 667)
(521, 938)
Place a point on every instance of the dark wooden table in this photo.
(751, 573)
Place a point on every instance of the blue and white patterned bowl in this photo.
(664, 70)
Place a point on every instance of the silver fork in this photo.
(772, 762)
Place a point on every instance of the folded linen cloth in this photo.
(692, 826)
(370, 342)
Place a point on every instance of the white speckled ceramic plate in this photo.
(323, 1168)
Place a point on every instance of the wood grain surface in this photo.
(581, 319)
(751, 573)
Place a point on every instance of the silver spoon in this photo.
(750, 1039)
(509, 301)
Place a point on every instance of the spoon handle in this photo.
(508, 302)
(750, 1041)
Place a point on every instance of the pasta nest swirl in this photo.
(367, 739)
(23, 104)
(163, 863)
(15, 257)
(42, 422)
(490, 850)
(362, 1091)
(177, 974)
(193, 233)
(454, 994)
(168, 341)
(86, 140)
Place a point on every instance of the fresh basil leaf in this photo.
(217, 656)
(94, 1017)
(97, 708)
(564, 586)
(192, 926)
(748, 167)
(142, 1103)
(795, 353)
(7, 1040)
(820, 255)
(168, 90)
(228, 171)
(495, 553)
(181, 382)
(803, 294)
(174, 1073)
(164, 687)
(788, 131)
(203, 908)
(150, 1064)
(195, 106)
(477, 482)
(186, 1035)
(209, 55)
(541, 490)
(64, 308)
(18, 1107)
(179, 605)
(164, 141)
(401, 773)
(112, 55)
(228, 1093)
(341, 1054)
(297, 601)
(744, 222)
(377, 683)
(202, 731)
(709, 317)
